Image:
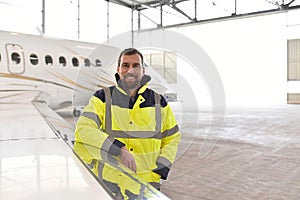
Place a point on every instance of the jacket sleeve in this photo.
(89, 128)
(170, 140)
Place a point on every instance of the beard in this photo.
(130, 82)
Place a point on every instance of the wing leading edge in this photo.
(35, 163)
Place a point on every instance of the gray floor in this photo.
(255, 154)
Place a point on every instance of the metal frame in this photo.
(140, 5)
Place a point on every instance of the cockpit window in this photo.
(87, 62)
(48, 60)
(15, 57)
(98, 63)
(62, 61)
(75, 62)
(33, 59)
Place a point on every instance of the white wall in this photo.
(250, 55)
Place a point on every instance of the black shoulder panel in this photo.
(163, 101)
(150, 99)
(100, 95)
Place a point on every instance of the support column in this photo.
(107, 25)
(139, 20)
(195, 10)
(78, 19)
(161, 14)
(132, 32)
(43, 17)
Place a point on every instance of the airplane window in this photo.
(15, 57)
(0, 57)
(75, 62)
(34, 59)
(98, 63)
(62, 61)
(48, 60)
(87, 62)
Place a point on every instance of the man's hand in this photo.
(127, 159)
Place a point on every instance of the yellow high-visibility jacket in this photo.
(144, 124)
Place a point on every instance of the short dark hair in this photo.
(130, 51)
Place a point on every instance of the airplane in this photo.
(38, 76)
(46, 64)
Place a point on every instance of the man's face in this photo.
(131, 71)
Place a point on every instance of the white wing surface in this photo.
(35, 163)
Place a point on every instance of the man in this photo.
(131, 122)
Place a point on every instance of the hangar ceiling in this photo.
(196, 8)
(155, 14)
(144, 4)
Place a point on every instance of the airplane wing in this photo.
(37, 160)
(35, 163)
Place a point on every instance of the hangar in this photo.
(239, 105)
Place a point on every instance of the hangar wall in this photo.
(250, 55)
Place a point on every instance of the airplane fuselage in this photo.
(65, 72)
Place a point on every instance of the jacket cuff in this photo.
(116, 147)
(162, 170)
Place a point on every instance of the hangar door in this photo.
(293, 64)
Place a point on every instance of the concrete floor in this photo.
(254, 155)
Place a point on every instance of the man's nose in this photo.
(131, 69)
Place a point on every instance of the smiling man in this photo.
(130, 70)
(133, 123)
